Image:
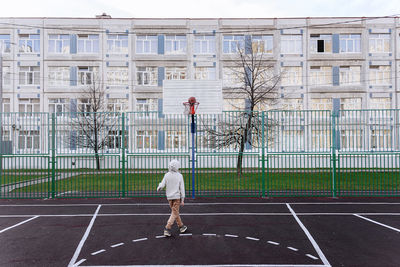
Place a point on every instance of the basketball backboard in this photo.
(207, 92)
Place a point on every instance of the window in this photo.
(28, 140)
(29, 75)
(292, 76)
(380, 103)
(176, 140)
(351, 139)
(321, 43)
(117, 76)
(88, 43)
(146, 139)
(59, 76)
(147, 44)
(381, 139)
(117, 104)
(29, 43)
(204, 44)
(350, 43)
(178, 73)
(350, 75)
(147, 76)
(204, 73)
(321, 140)
(85, 105)
(87, 75)
(292, 44)
(59, 43)
(175, 44)
(292, 104)
(320, 75)
(321, 104)
(262, 44)
(292, 140)
(58, 106)
(350, 103)
(117, 43)
(6, 75)
(115, 139)
(5, 43)
(379, 75)
(232, 43)
(233, 77)
(28, 105)
(379, 43)
(146, 104)
(6, 105)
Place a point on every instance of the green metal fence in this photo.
(239, 153)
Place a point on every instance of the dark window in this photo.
(321, 47)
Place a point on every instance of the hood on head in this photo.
(173, 165)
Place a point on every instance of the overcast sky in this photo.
(199, 8)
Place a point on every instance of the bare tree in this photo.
(257, 83)
(92, 122)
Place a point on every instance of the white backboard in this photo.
(207, 93)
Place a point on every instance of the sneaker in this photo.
(167, 232)
(183, 228)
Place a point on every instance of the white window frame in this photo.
(350, 75)
(146, 105)
(149, 74)
(350, 103)
(380, 103)
(6, 105)
(262, 44)
(29, 75)
(175, 73)
(232, 76)
(205, 73)
(351, 139)
(380, 75)
(31, 137)
(321, 103)
(320, 75)
(175, 139)
(59, 44)
(292, 76)
(88, 44)
(117, 43)
(29, 43)
(379, 43)
(326, 38)
(87, 75)
(147, 138)
(381, 139)
(59, 76)
(28, 105)
(350, 43)
(117, 104)
(59, 106)
(231, 43)
(321, 140)
(6, 76)
(292, 104)
(147, 44)
(175, 44)
(117, 76)
(292, 44)
(5, 43)
(204, 44)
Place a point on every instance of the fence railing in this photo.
(238, 153)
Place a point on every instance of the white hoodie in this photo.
(173, 181)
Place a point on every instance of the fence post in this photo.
(123, 156)
(263, 154)
(335, 145)
(53, 155)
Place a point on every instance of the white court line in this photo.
(210, 234)
(252, 238)
(18, 224)
(381, 224)
(311, 256)
(160, 236)
(229, 235)
(225, 265)
(315, 245)
(292, 248)
(85, 236)
(273, 243)
(205, 214)
(117, 245)
(140, 239)
(80, 262)
(98, 252)
(185, 234)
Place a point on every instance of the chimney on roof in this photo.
(103, 16)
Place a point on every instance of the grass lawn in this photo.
(228, 181)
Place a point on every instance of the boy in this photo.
(175, 191)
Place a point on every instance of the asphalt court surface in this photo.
(222, 231)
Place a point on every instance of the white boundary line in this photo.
(18, 224)
(205, 214)
(78, 249)
(315, 245)
(200, 204)
(225, 265)
(381, 224)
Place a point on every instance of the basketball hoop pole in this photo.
(193, 131)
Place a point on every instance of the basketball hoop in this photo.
(191, 106)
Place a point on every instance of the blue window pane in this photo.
(59, 46)
(37, 45)
(94, 37)
(4, 37)
(64, 36)
(96, 47)
(112, 36)
(125, 43)
(81, 46)
(88, 46)
(226, 47)
(52, 46)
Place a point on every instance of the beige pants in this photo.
(174, 205)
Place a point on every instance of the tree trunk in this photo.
(243, 141)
